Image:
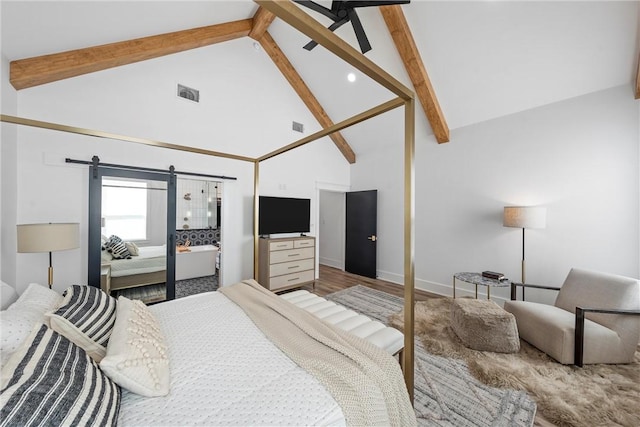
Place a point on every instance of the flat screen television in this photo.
(283, 215)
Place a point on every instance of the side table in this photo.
(478, 279)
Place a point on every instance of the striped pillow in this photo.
(52, 382)
(86, 317)
(120, 251)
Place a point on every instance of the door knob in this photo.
(372, 238)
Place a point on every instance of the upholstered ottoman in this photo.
(484, 325)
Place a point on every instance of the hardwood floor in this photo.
(333, 280)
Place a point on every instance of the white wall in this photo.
(239, 113)
(579, 158)
(331, 231)
(8, 185)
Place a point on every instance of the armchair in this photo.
(609, 333)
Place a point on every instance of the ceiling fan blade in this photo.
(363, 41)
(364, 3)
(332, 27)
(318, 8)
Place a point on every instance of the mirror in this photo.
(198, 204)
(132, 233)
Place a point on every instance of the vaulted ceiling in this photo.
(484, 59)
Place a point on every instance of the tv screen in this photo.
(283, 215)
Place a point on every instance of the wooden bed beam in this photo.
(101, 134)
(289, 72)
(375, 111)
(29, 72)
(292, 15)
(406, 46)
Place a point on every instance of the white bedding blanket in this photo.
(224, 371)
(150, 259)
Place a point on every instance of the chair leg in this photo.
(579, 338)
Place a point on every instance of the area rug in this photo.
(446, 394)
(596, 395)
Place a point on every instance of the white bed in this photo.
(202, 360)
(147, 268)
(224, 371)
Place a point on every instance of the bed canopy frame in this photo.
(295, 17)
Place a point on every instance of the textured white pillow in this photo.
(18, 320)
(7, 295)
(136, 354)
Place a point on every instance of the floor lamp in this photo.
(524, 217)
(48, 238)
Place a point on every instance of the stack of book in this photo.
(493, 275)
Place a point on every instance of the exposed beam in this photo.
(375, 111)
(638, 80)
(294, 16)
(286, 68)
(261, 21)
(403, 39)
(101, 134)
(39, 70)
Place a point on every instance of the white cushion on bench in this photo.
(387, 338)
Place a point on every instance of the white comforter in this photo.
(150, 259)
(224, 371)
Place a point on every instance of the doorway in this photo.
(337, 224)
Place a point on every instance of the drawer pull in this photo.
(293, 266)
(294, 279)
(293, 255)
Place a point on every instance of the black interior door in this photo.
(361, 233)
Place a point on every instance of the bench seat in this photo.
(389, 339)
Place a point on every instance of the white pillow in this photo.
(136, 354)
(18, 320)
(7, 295)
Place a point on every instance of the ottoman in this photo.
(484, 325)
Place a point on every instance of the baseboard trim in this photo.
(331, 263)
(462, 289)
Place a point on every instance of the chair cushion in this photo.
(551, 329)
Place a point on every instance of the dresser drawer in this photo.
(303, 243)
(291, 279)
(278, 246)
(291, 267)
(290, 255)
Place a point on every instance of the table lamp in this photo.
(48, 238)
(524, 217)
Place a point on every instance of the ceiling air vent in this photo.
(188, 93)
(298, 127)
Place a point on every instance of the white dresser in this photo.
(287, 263)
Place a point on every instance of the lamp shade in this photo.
(525, 217)
(48, 237)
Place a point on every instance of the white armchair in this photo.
(610, 332)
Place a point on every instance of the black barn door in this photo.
(361, 233)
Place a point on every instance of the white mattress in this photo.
(224, 371)
(149, 259)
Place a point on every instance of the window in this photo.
(124, 209)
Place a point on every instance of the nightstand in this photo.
(105, 277)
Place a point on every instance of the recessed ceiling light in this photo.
(351, 77)
(256, 45)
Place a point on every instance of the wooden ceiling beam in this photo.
(403, 39)
(294, 16)
(289, 72)
(29, 72)
(261, 21)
